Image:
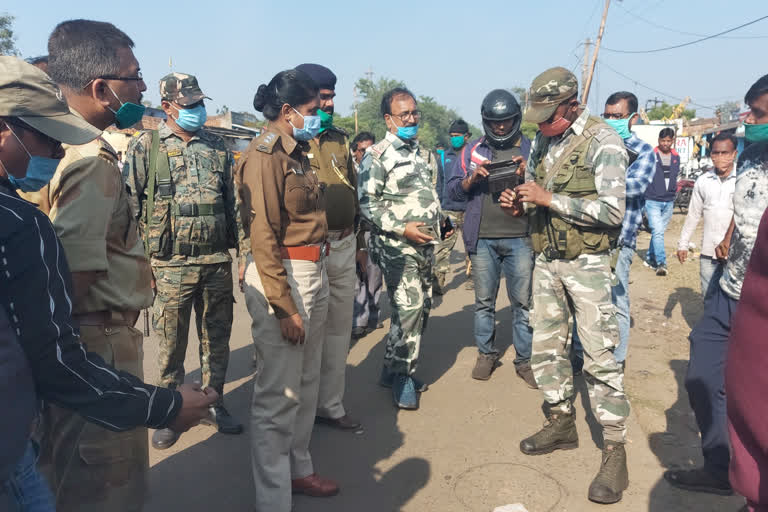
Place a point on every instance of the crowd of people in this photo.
(320, 226)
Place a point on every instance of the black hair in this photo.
(291, 86)
(362, 137)
(758, 89)
(459, 126)
(386, 101)
(81, 50)
(623, 95)
(725, 136)
(667, 132)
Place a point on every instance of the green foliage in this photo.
(7, 38)
(529, 130)
(665, 111)
(435, 118)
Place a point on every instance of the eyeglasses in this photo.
(614, 115)
(403, 116)
(136, 78)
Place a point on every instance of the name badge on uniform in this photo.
(310, 155)
(175, 152)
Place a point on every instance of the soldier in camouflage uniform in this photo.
(187, 218)
(576, 190)
(398, 199)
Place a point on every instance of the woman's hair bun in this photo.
(260, 98)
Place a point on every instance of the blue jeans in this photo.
(620, 295)
(26, 490)
(711, 271)
(658, 213)
(513, 257)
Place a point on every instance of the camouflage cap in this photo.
(548, 90)
(30, 95)
(181, 88)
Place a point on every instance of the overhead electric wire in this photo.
(669, 29)
(678, 98)
(689, 42)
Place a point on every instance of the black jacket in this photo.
(35, 291)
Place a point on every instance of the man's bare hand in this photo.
(510, 204)
(241, 275)
(292, 328)
(194, 406)
(361, 257)
(721, 251)
(413, 234)
(531, 192)
(682, 256)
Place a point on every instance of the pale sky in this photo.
(453, 51)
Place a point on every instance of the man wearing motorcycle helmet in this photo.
(496, 243)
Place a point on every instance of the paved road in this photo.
(459, 452)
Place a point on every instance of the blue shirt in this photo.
(639, 176)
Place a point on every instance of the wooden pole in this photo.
(588, 83)
(585, 67)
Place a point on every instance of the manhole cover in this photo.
(485, 487)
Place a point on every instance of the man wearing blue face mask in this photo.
(182, 192)
(621, 114)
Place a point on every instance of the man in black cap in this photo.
(459, 134)
(496, 243)
(330, 158)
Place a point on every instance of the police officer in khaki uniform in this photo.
(330, 158)
(94, 469)
(286, 289)
(182, 192)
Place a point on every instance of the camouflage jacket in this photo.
(395, 187)
(608, 157)
(201, 174)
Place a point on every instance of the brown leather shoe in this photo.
(346, 422)
(315, 485)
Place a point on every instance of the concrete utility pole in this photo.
(588, 82)
(354, 95)
(585, 69)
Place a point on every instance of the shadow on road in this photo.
(691, 305)
(679, 446)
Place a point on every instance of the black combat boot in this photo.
(613, 476)
(559, 433)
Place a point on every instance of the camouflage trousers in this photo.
(581, 287)
(407, 273)
(445, 247)
(207, 288)
(93, 469)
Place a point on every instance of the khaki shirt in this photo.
(329, 157)
(283, 205)
(90, 211)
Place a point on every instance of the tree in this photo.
(435, 118)
(665, 110)
(7, 38)
(728, 111)
(528, 129)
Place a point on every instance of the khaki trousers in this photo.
(342, 279)
(94, 469)
(286, 383)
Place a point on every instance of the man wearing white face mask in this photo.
(181, 188)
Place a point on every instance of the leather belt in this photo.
(108, 318)
(312, 253)
(339, 234)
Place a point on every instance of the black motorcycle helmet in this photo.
(500, 105)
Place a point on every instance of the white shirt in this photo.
(712, 198)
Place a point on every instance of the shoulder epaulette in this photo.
(106, 151)
(379, 148)
(340, 130)
(266, 142)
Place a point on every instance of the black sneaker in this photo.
(698, 480)
(220, 418)
(661, 270)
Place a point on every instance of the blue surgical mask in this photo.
(621, 126)
(128, 114)
(40, 171)
(457, 141)
(191, 119)
(407, 132)
(310, 130)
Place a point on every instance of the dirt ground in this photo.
(459, 452)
